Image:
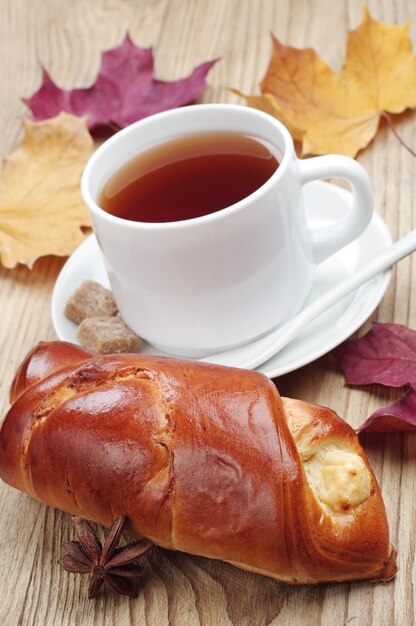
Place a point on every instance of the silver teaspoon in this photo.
(263, 349)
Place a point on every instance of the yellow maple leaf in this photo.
(41, 207)
(340, 113)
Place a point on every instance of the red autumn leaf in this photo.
(125, 90)
(398, 417)
(385, 355)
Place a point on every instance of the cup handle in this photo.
(327, 240)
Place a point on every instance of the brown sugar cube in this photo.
(90, 300)
(107, 335)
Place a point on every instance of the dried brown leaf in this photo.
(331, 112)
(41, 207)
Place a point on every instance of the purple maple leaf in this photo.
(398, 417)
(124, 91)
(385, 355)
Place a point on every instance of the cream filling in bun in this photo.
(338, 478)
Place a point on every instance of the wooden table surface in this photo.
(67, 38)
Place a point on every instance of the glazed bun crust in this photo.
(201, 458)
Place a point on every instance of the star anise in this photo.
(106, 563)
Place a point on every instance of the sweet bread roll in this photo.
(204, 459)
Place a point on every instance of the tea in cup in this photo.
(198, 212)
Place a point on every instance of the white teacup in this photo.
(210, 283)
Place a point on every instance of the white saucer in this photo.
(324, 203)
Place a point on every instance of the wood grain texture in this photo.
(67, 38)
